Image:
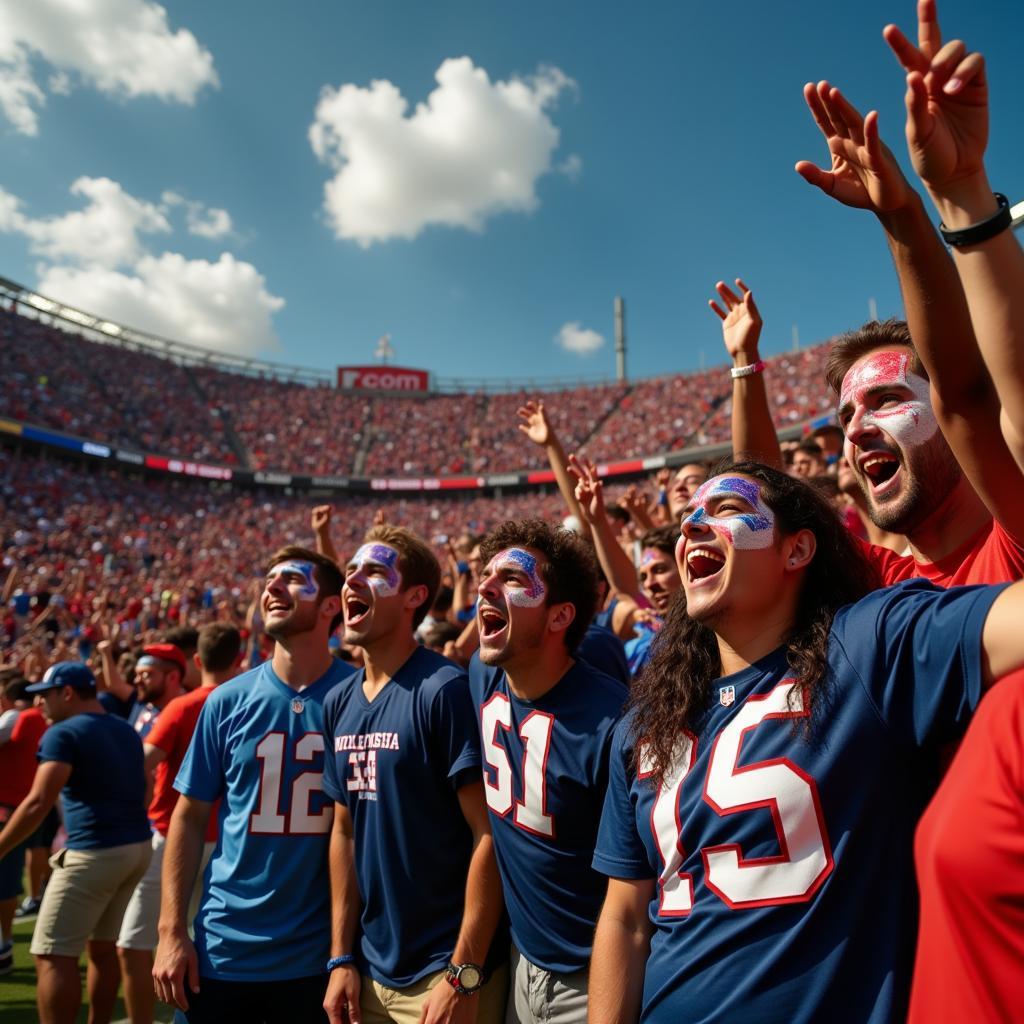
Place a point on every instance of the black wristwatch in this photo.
(464, 978)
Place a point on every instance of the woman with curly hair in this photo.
(779, 748)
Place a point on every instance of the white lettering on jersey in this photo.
(268, 818)
(366, 741)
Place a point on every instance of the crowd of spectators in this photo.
(117, 396)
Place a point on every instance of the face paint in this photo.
(530, 596)
(649, 555)
(908, 422)
(310, 588)
(748, 531)
(384, 585)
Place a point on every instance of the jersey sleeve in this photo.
(57, 745)
(620, 852)
(455, 732)
(332, 785)
(916, 650)
(201, 775)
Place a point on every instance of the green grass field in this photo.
(18, 989)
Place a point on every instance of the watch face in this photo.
(470, 977)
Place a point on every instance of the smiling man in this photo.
(546, 722)
(659, 583)
(263, 928)
(414, 887)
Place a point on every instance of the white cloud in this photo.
(106, 233)
(474, 148)
(95, 259)
(581, 340)
(209, 222)
(223, 305)
(121, 47)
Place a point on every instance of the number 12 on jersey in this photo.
(535, 734)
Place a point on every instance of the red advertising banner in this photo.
(382, 378)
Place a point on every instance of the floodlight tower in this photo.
(620, 339)
(384, 350)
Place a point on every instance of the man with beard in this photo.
(546, 722)
(262, 934)
(414, 887)
(159, 678)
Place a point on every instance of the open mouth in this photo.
(279, 607)
(356, 610)
(702, 563)
(881, 470)
(491, 623)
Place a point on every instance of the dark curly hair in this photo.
(673, 691)
(569, 570)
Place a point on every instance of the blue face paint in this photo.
(523, 563)
(373, 556)
(746, 531)
(310, 588)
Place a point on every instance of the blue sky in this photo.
(645, 150)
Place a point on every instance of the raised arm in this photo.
(753, 432)
(947, 132)
(320, 520)
(537, 427)
(615, 563)
(110, 678)
(865, 175)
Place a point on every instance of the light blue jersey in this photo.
(259, 748)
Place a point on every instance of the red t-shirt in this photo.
(969, 851)
(172, 733)
(969, 847)
(18, 757)
(990, 556)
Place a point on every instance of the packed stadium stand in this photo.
(113, 395)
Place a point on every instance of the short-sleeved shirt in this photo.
(105, 795)
(970, 867)
(396, 763)
(782, 843)
(142, 718)
(258, 747)
(18, 756)
(545, 774)
(601, 648)
(115, 706)
(172, 732)
(638, 649)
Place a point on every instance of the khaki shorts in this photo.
(379, 1004)
(86, 897)
(139, 927)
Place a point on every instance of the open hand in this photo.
(741, 325)
(864, 173)
(589, 489)
(535, 423)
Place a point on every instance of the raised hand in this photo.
(320, 518)
(589, 489)
(947, 102)
(864, 173)
(535, 423)
(741, 321)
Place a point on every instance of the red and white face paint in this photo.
(864, 402)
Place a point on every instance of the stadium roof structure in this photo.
(106, 331)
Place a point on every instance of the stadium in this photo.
(544, 674)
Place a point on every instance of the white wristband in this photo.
(747, 371)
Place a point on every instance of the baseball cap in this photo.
(65, 673)
(165, 652)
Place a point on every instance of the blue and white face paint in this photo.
(523, 564)
(746, 531)
(367, 562)
(310, 589)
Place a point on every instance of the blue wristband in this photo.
(339, 961)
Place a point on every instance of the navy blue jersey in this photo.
(601, 648)
(105, 795)
(781, 840)
(259, 746)
(396, 763)
(545, 773)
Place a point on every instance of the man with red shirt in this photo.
(20, 729)
(219, 648)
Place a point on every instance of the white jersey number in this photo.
(805, 859)
(268, 819)
(535, 732)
